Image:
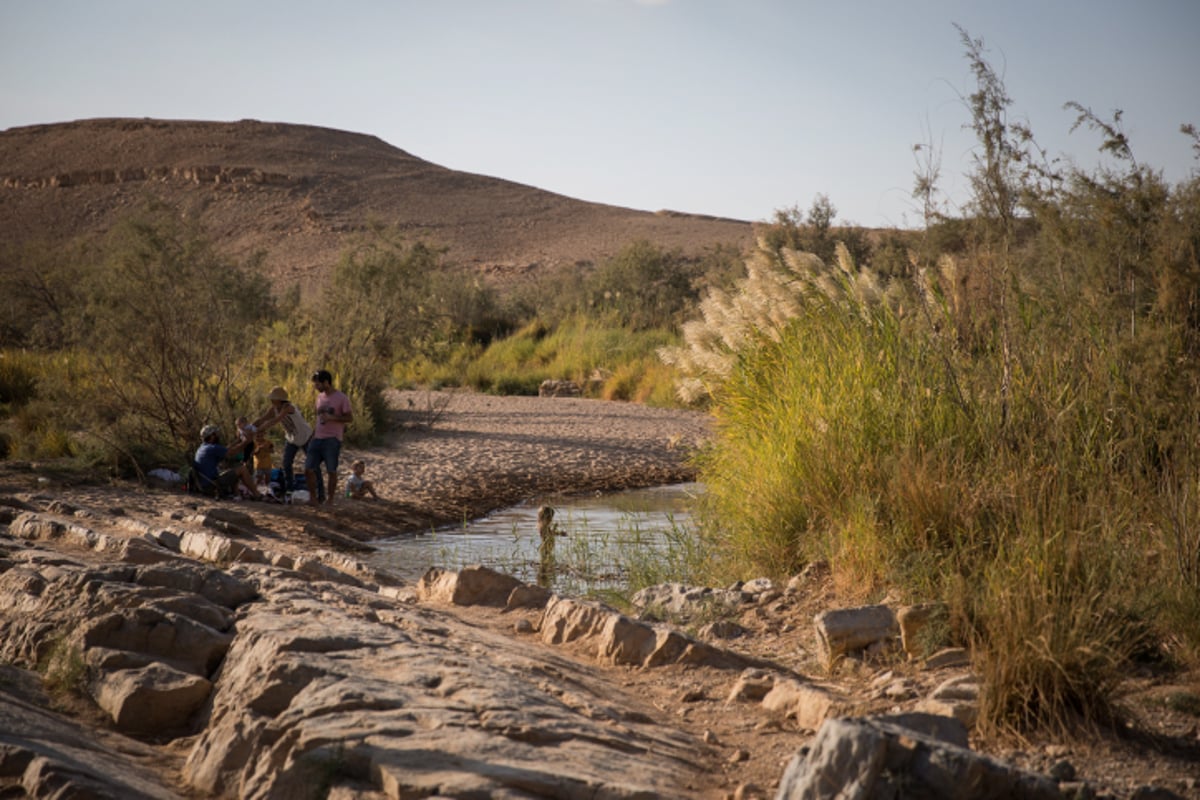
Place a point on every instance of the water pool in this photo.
(605, 536)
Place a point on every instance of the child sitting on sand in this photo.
(357, 486)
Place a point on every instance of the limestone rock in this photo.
(172, 637)
(722, 629)
(559, 388)
(626, 641)
(214, 585)
(224, 519)
(410, 708)
(758, 586)
(339, 539)
(884, 757)
(622, 640)
(948, 657)
(680, 600)
(142, 551)
(914, 621)
(527, 596)
(474, 585)
(222, 513)
(845, 631)
(49, 602)
(43, 754)
(753, 685)
(216, 548)
(809, 704)
(956, 697)
(565, 619)
(155, 699)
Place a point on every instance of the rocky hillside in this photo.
(296, 193)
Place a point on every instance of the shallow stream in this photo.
(604, 535)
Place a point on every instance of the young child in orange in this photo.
(357, 486)
(264, 449)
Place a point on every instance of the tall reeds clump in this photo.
(826, 407)
(1055, 603)
(1029, 462)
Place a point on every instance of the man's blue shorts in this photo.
(323, 451)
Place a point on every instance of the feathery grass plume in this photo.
(1011, 432)
(777, 286)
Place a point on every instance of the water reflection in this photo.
(583, 543)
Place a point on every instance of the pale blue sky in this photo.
(728, 107)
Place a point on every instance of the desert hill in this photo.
(298, 192)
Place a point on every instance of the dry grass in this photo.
(889, 443)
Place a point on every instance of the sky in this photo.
(735, 108)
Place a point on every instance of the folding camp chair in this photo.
(201, 484)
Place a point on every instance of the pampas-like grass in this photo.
(777, 288)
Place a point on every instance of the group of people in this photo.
(321, 445)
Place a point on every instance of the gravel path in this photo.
(459, 455)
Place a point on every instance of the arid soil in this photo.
(452, 456)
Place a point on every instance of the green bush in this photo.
(171, 326)
(18, 379)
(42, 292)
(64, 670)
(814, 232)
(39, 433)
(604, 358)
(643, 287)
(516, 385)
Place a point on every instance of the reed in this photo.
(1024, 486)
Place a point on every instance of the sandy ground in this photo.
(455, 456)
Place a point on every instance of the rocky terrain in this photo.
(298, 194)
(159, 644)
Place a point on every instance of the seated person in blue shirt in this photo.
(209, 456)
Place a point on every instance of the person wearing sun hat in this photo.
(296, 431)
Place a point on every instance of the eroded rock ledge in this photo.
(209, 173)
(227, 669)
(286, 674)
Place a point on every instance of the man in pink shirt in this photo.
(333, 412)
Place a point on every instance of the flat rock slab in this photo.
(45, 754)
(413, 701)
